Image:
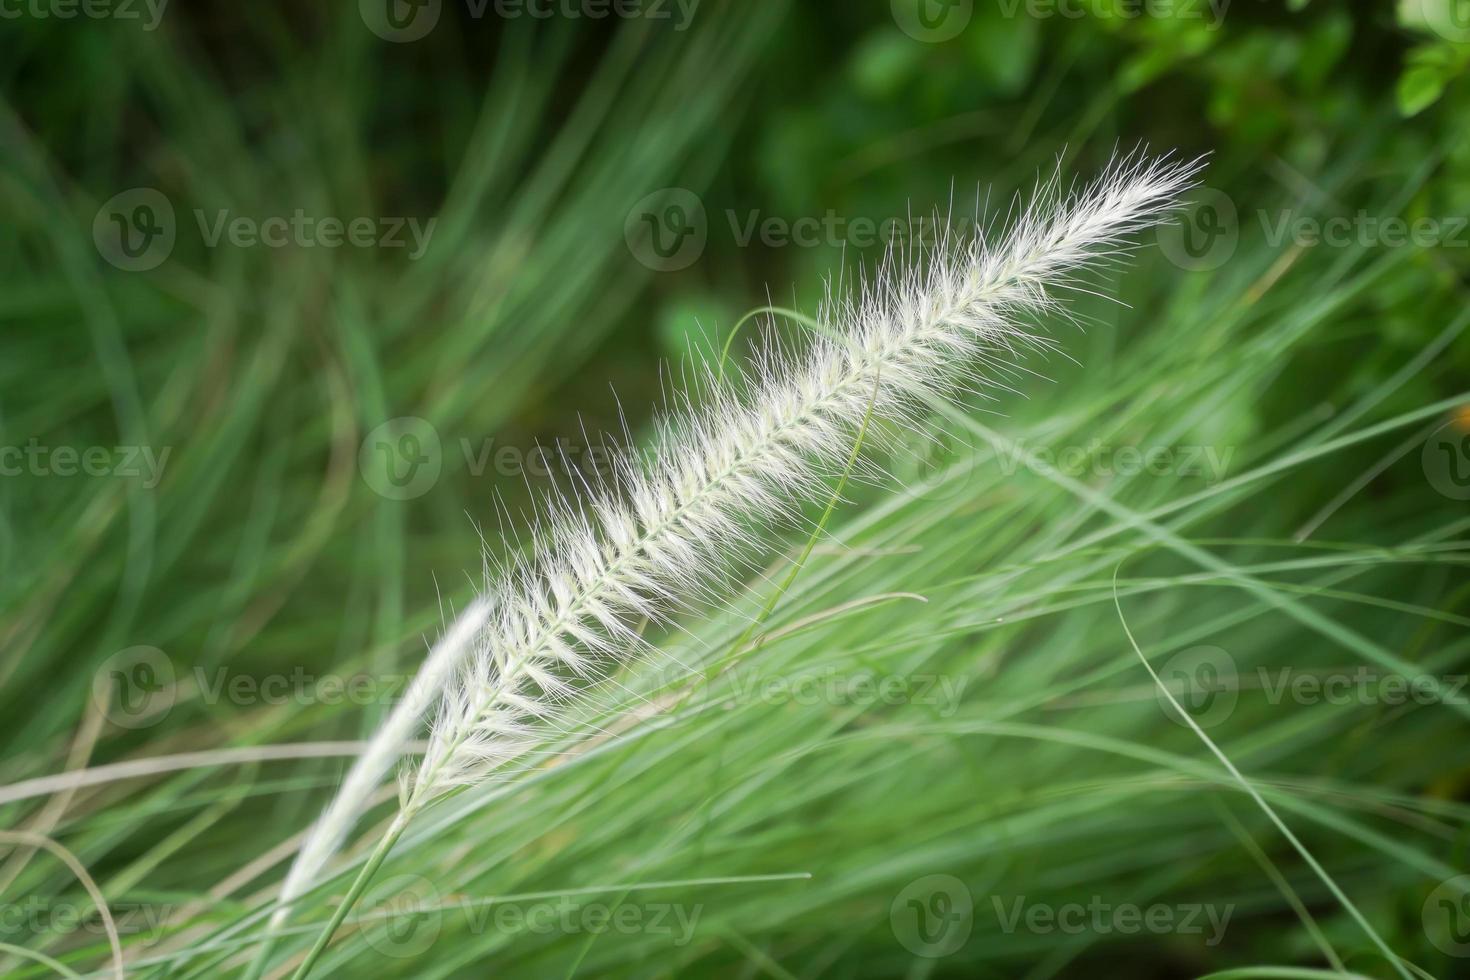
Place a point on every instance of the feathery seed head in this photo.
(926, 325)
(653, 538)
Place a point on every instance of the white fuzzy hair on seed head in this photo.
(653, 538)
(381, 755)
(921, 328)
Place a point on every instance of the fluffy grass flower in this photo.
(953, 318)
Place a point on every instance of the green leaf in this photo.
(884, 62)
(1419, 88)
(1004, 51)
(1430, 68)
(1324, 47)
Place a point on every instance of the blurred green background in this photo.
(239, 454)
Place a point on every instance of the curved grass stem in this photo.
(359, 884)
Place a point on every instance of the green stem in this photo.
(380, 853)
(262, 958)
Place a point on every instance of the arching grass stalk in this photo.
(657, 536)
(366, 774)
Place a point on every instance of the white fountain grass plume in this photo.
(927, 325)
(919, 330)
(381, 755)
